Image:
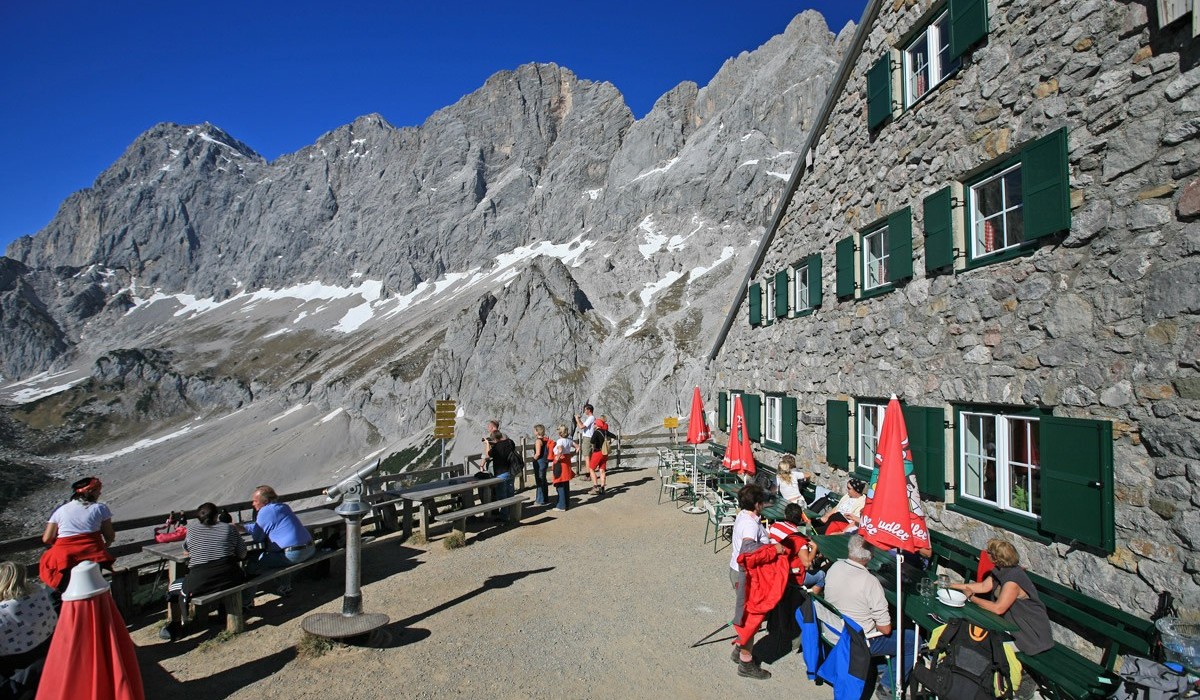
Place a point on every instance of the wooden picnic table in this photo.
(425, 496)
(916, 608)
(176, 555)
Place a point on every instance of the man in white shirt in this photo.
(858, 595)
(586, 425)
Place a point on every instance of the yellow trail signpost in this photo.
(445, 413)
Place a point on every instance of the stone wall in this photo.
(1096, 323)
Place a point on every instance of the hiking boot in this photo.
(749, 669)
(736, 656)
(595, 490)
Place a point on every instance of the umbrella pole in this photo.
(897, 692)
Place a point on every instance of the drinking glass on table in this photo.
(926, 587)
(943, 580)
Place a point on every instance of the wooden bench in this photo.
(231, 598)
(1061, 671)
(459, 517)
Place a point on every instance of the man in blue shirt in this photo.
(285, 540)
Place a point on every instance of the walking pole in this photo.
(710, 634)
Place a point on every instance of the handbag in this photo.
(174, 530)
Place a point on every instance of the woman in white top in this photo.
(79, 530)
(27, 620)
(848, 510)
(788, 480)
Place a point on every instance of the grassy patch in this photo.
(455, 540)
(417, 540)
(211, 644)
(311, 646)
(410, 367)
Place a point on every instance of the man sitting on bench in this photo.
(286, 541)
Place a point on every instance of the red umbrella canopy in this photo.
(739, 456)
(893, 516)
(698, 432)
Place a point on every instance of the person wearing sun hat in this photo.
(79, 530)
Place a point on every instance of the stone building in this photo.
(995, 218)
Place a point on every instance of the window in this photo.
(769, 304)
(927, 60)
(997, 214)
(802, 289)
(773, 430)
(875, 258)
(870, 424)
(1000, 462)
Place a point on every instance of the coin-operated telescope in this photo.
(352, 622)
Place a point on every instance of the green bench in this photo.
(1061, 671)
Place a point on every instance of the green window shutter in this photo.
(845, 267)
(968, 25)
(789, 423)
(939, 230)
(926, 439)
(837, 434)
(781, 294)
(900, 245)
(752, 405)
(879, 91)
(814, 281)
(755, 296)
(1077, 480)
(723, 411)
(1046, 186)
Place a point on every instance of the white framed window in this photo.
(875, 258)
(870, 424)
(773, 430)
(997, 213)
(999, 461)
(800, 300)
(927, 60)
(769, 303)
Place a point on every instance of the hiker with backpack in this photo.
(505, 461)
(598, 462)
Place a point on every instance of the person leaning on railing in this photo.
(79, 530)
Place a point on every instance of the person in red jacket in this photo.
(766, 569)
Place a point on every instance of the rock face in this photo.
(1097, 323)
(525, 249)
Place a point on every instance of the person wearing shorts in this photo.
(598, 461)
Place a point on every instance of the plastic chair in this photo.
(719, 520)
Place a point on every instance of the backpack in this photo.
(604, 448)
(968, 663)
(516, 461)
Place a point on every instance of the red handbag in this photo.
(173, 530)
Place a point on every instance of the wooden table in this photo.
(176, 556)
(916, 608)
(424, 497)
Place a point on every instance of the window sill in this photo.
(877, 291)
(1022, 526)
(1024, 250)
(805, 312)
(775, 446)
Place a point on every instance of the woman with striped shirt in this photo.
(215, 553)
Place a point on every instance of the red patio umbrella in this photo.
(893, 516)
(697, 435)
(91, 656)
(739, 456)
(698, 432)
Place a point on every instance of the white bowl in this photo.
(951, 597)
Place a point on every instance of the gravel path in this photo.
(602, 601)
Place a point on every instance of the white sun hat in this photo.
(86, 582)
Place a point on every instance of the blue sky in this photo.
(80, 80)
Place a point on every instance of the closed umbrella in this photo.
(739, 456)
(91, 656)
(697, 435)
(892, 517)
